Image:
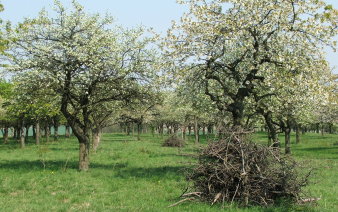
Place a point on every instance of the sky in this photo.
(157, 14)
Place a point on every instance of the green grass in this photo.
(130, 175)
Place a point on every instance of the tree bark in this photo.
(152, 130)
(210, 129)
(139, 128)
(14, 133)
(317, 128)
(161, 129)
(196, 131)
(34, 131)
(269, 138)
(128, 129)
(47, 133)
(322, 129)
(56, 132)
(84, 155)
(37, 133)
(297, 134)
(17, 134)
(272, 132)
(287, 132)
(184, 132)
(5, 135)
(237, 110)
(96, 138)
(27, 131)
(22, 137)
(330, 128)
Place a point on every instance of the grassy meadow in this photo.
(131, 175)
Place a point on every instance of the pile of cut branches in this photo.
(173, 141)
(235, 169)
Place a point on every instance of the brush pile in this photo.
(235, 169)
(173, 141)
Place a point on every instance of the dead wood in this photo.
(235, 169)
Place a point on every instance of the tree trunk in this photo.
(27, 131)
(84, 155)
(18, 134)
(168, 129)
(152, 130)
(303, 130)
(96, 138)
(272, 132)
(14, 133)
(47, 133)
(56, 132)
(184, 132)
(287, 132)
(5, 135)
(330, 128)
(34, 131)
(37, 133)
(161, 129)
(322, 129)
(139, 129)
(237, 110)
(67, 133)
(297, 134)
(317, 128)
(196, 131)
(209, 129)
(22, 137)
(269, 138)
(189, 130)
(175, 129)
(128, 129)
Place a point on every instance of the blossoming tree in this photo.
(85, 60)
(235, 47)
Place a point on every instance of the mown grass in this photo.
(130, 175)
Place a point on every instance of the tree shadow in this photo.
(319, 149)
(157, 172)
(53, 165)
(320, 152)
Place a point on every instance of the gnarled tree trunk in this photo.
(272, 132)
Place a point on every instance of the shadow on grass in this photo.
(26, 165)
(319, 149)
(123, 171)
(157, 172)
(319, 152)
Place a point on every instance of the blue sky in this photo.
(151, 13)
